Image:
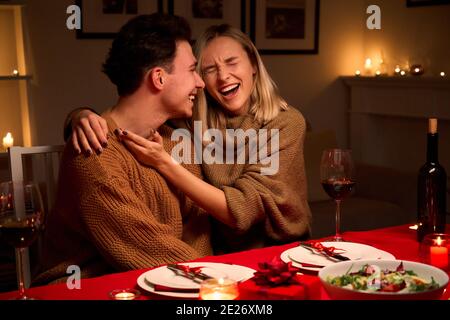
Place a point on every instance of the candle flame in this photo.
(439, 241)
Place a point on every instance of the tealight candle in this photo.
(8, 141)
(377, 73)
(397, 70)
(417, 70)
(402, 73)
(219, 289)
(435, 250)
(442, 74)
(125, 294)
(357, 73)
(15, 72)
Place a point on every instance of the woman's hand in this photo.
(147, 151)
(89, 130)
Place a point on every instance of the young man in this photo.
(113, 213)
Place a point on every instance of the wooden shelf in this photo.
(25, 77)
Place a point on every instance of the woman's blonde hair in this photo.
(265, 100)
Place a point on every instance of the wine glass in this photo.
(21, 219)
(337, 178)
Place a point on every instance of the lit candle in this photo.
(357, 73)
(368, 66)
(219, 289)
(378, 73)
(439, 254)
(442, 74)
(15, 72)
(397, 70)
(8, 141)
(402, 73)
(125, 294)
(417, 70)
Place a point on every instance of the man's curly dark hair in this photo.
(143, 43)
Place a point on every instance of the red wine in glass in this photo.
(21, 219)
(338, 189)
(337, 178)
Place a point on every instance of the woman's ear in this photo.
(156, 77)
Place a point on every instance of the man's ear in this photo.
(157, 76)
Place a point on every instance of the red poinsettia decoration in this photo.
(275, 273)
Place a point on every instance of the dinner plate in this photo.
(354, 251)
(165, 277)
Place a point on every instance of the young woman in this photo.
(255, 189)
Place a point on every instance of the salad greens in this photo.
(372, 278)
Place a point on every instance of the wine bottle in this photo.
(431, 188)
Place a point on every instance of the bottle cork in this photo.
(432, 125)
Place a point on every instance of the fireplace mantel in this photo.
(388, 119)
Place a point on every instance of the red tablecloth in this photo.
(400, 241)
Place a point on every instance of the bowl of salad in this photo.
(383, 280)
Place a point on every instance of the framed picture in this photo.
(285, 26)
(102, 19)
(203, 13)
(420, 3)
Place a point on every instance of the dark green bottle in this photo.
(431, 189)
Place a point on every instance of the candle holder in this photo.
(434, 250)
(124, 294)
(219, 289)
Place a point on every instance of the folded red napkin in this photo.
(304, 287)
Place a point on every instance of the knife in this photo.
(314, 250)
(184, 272)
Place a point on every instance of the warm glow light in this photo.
(402, 73)
(357, 73)
(414, 227)
(15, 72)
(219, 289)
(8, 141)
(368, 65)
(397, 70)
(378, 73)
(442, 74)
(417, 70)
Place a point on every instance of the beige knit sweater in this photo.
(267, 209)
(114, 214)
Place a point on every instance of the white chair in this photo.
(41, 165)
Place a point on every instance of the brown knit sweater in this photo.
(267, 208)
(114, 214)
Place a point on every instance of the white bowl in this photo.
(422, 270)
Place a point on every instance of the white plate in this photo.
(354, 251)
(164, 276)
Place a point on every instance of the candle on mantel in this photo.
(219, 289)
(397, 70)
(15, 72)
(8, 141)
(439, 254)
(377, 73)
(357, 73)
(442, 74)
(403, 73)
(368, 66)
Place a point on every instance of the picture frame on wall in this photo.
(422, 3)
(102, 19)
(203, 13)
(285, 26)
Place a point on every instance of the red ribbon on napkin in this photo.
(328, 250)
